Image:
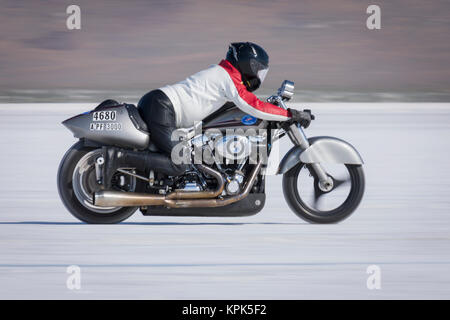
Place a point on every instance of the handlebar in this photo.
(279, 101)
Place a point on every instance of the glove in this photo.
(302, 117)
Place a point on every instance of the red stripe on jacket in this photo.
(249, 97)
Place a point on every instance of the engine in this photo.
(227, 149)
(233, 148)
(229, 153)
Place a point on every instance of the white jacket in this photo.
(203, 93)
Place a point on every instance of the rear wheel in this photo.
(318, 203)
(77, 182)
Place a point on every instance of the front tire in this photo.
(68, 195)
(313, 215)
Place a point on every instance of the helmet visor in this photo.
(262, 74)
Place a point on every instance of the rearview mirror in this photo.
(286, 91)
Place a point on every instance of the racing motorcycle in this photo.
(323, 179)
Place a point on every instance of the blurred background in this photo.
(341, 68)
(126, 48)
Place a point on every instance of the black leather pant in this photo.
(157, 111)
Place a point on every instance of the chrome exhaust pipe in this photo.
(127, 199)
(176, 199)
(180, 194)
(218, 202)
(133, 199)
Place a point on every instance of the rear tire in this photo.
(69, 198)
(291, 194)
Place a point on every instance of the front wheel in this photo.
(318, 203)
(77, 182)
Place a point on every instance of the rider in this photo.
(181, 104)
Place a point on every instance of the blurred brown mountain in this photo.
(321, 45)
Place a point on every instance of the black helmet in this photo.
(251, 60)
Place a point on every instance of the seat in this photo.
(107, 103)
(133, 113)
(135, 116)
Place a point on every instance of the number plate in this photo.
(104, 116)
(108, 126)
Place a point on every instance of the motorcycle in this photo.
(323, 179)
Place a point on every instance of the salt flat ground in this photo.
(402, 224)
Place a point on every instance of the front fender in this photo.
(321, 150)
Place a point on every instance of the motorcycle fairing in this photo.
(127, 130)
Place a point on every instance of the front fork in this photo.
(298, 137)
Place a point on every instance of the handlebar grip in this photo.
(313, 117)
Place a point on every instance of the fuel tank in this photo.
(119, 125)
(231, 117)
